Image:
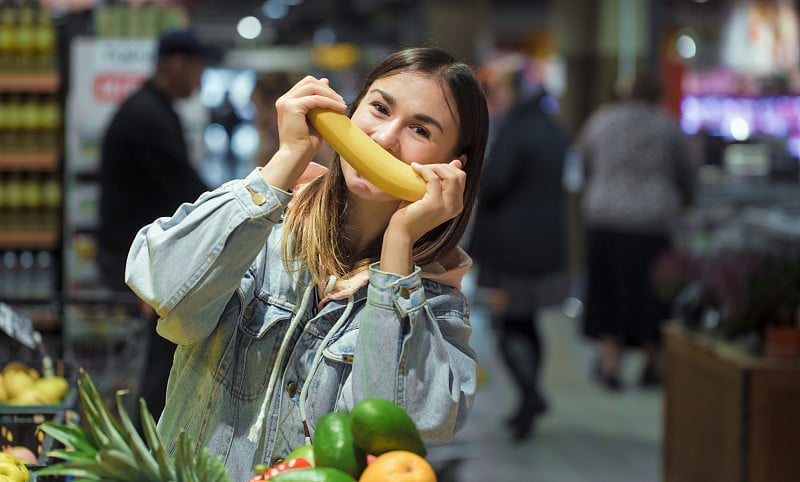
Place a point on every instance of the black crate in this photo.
(23, 430)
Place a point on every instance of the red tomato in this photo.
(298, 463)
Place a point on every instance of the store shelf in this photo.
(29, 82)
(34, 239)
(28, 161)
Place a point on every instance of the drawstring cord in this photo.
(317, 358)
(273, 377)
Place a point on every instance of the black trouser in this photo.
(153, 387)
(521, 348)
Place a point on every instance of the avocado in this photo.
(380, 425)
(334, 445)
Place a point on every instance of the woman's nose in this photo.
(386, 137)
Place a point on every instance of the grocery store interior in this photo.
(728, 406)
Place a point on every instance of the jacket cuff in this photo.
(391, 291)
(258, 198)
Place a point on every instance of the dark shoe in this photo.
(650, 378)
(523, 430)
(536, 407)
(522, 422)
(609, 381)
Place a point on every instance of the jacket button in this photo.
(291, 389)
(275, 460)
(259, 199)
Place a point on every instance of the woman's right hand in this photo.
(298, 141)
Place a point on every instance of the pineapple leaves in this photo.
(111, 448)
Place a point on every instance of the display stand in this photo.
(728, 415)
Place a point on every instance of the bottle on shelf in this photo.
(3, 204)
(13, 122)
(8, 38)
(44, 41)
(8, 271)
(29, 123)
(25, 39)
(26, 262)
(51, 202)
(5, 133)
(31, 203)
(49, 123)
(26, 274)
(13, 189)
(43, 275)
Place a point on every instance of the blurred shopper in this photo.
(518, 233)
(268, 88)
(146, 173)
(640, 175)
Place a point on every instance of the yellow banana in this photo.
(378, 166)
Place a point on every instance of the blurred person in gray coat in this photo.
(640, 176)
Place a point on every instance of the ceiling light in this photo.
(249, 27)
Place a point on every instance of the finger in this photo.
(452, 182)
(450, 174)
(310, 86)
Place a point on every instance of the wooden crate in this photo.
(728, 416)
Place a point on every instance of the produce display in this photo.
(376, 442)
(21, 384)
(366, 156)
(111, 449)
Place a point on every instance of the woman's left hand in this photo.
(443, 200)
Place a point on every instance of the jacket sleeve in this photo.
(504, 163)
(189, 265)
(415, 351)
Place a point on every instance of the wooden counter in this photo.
(728, 416)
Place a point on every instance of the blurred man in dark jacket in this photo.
(146, 173)
(518, 236)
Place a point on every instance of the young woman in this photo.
(293, 292)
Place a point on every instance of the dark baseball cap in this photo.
(186, 41)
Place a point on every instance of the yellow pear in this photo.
(51, 389)
(16, 382)
(18, 366)
(28, 397)
(3, 394)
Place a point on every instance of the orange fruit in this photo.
(398, 466)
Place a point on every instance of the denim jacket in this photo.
(259, 357)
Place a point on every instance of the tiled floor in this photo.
(589, 434)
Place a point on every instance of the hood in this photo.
(449, 270)
(313, 171)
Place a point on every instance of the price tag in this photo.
(17, 326)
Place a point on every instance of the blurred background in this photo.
(726, 411)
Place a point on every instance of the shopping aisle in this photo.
(589, 434)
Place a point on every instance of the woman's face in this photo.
(409, 116)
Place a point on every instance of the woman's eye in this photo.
(380, 108)
(421, 131)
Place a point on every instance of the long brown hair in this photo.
(314, 226)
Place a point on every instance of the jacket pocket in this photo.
(254, 351)
(332, 376)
